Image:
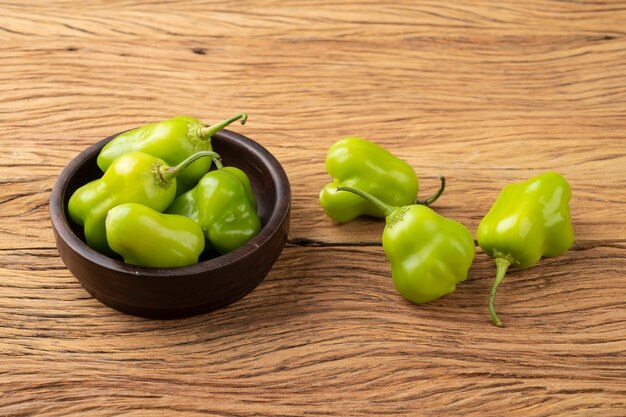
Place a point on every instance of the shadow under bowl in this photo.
(179, 291)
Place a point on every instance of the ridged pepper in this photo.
(358, 163)
(429, 254)
(134, 177)
(529, 220)
(146, 237)
(223, 204)
(172, 140)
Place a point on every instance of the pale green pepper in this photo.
(145, 237)
(171, 140)
(358, 163)
(529, 220)
(223, 204)
(429, 254)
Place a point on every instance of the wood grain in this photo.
(485, 93)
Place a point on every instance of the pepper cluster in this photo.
(430, 254)
(158, 204)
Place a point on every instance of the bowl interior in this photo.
(268, 180)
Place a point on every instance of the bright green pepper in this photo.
(145, 237)
(429, 254)
(135, 177)
(224, 206)
(172, 140)
(529, 220)
(358, 163)
(186, 204)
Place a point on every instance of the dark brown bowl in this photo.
(180, 291)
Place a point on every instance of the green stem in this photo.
(207, 132)
(381, 205)
(168, 173)
(430, 200)
(502, 265)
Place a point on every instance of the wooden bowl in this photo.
(180, 291)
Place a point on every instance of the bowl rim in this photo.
(281, 211)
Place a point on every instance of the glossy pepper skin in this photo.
(171, 140)
(429, 254)
(135, 177)
(186, 204)
(224, 206)
(529, 220)
(146, 237)
(358, 163)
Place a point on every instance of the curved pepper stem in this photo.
(218, 163)
(502, 265)
(167, 174)
(207, 132)
(381, 205)
(430, 200)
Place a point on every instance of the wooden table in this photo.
(486, 93)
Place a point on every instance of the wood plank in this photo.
(316, 337)
(575, 130)
(315, 19)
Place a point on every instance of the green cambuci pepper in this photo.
(358, 163)
(529, 220)
(172, 140)
(223, 204)
(186, 204)
(134, 177)
(146, 237)
(429, 254)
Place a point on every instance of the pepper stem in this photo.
(167, 174)
(381, 205)
(208, 131)
(502, 265)
(430, 200)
